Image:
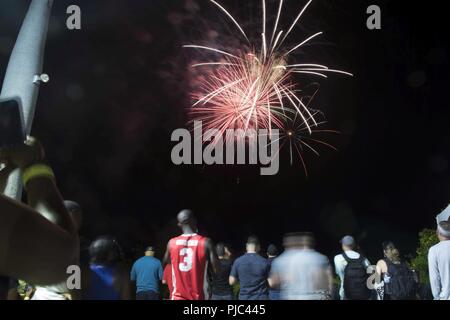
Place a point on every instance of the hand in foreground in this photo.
(5, 170)
(23, 156)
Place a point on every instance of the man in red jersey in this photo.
(167, 279)
(190, 255)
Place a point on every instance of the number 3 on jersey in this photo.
(187, 254)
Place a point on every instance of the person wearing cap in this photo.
(341, 261)
(439, 263)
(147, 273)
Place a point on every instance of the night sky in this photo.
(120, 86)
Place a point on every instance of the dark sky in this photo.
(120, 86)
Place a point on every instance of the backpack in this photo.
(402, 284)
(355, 279)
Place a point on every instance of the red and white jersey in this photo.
(189, 267)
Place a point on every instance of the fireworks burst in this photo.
(296, 136)
(255, 90)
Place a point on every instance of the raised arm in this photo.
(31, 247)
(42, 193)
(37, 242)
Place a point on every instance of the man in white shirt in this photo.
(439, 263)
(340, 262)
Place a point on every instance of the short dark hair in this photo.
(105, 250)
(272, 250)
(387, 244)
(253, 240)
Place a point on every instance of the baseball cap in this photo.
(348, 241)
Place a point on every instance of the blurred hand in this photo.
(25, 155)
(5, 170)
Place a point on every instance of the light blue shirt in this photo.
(304, 274)
(147, 272)
(340, 263)
(439, 269)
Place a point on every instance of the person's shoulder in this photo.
(442, 244)
(154, 260)
(320, 255)
(436, 247)
(262, 259)
(170, 243)
(235, 263)
(204, 238)
(277, 262)
(207, 241)
(339, 257)
(239, 259)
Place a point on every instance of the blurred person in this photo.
(190, 254)
(272, 253)
(4, 288)
(251, 271)
(25, 290)
(60, 291)
(398, 281)
(106, 277)
(13, 290)
(351, 267)
(221, 289)
(42, 258)
(147, 273)
(439, 263)
(301, 272)
(8, 289)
